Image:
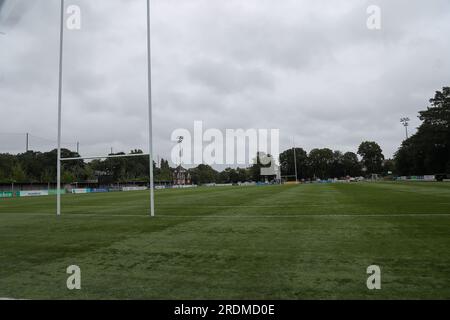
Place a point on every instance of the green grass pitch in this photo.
(274, 242)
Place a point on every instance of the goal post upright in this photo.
(150, 120)
(58, 165)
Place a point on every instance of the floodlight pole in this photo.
(58, 166)
(405, 122)
(150, 122)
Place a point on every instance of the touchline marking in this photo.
(212, 216)
(245, 206)
(307, 215)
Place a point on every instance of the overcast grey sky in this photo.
(309, 68)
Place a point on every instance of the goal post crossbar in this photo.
(107, 157)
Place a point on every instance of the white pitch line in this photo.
(82, 215)
(237, 207)
(307, 215)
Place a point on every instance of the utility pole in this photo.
(28, 139)
(405, 122)
(78, 147)
(180, 140)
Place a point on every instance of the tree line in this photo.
(39, 167)
(426, 152)
(326, 163)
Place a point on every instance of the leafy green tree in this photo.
(204, 174)
(89, 173)
(165, 173)
(372, 156)
(320, 163)
(68, 177)
(229, 175)
(337, 166)
(243, 175)
(116, 167)
(7, 162)
(32, 165)
(288, 165)
(18, 174)
(351, 164)
(428, 151)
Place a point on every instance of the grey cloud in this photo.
(226, 78)
(12, 11)
(310, 68)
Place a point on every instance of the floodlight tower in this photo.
(179, 141)
(405, 122)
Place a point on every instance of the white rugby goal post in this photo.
(150, 124)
